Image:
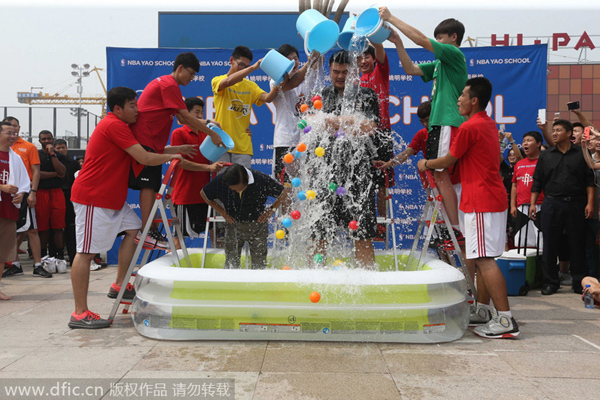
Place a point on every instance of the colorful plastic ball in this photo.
(296, 182)
(318, 258)
(310, 195)
(337, 263)
(341, 191)
(333, 186)
(320, 152)
(286, 222)
(307, 129)
(301, 147)
(339, 134)
(302, 124)
(304, 108)
(280, 234)
(295, 214)
(315, 297)
(285, 267)
(302, 195)
(318, 104)
(353, 225)
(288, 158)
(315, 98)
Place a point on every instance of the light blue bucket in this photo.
(276, 65)
(318, 32)
(212, 152)
(370, 25)
(345, 41)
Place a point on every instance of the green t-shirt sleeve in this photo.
(428, 69)
(447, 53)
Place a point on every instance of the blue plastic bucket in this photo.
(370, 25)
(276, 65)
(349, 41)
(212, 152)
(318, 32)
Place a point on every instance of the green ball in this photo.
(302, 124)
(333, 186)
(318, 258)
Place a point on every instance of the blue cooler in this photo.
(513, 267)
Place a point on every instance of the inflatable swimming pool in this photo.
(420, 306)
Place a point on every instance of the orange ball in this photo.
(315, 297)
(301, 148)
(285, 267)
(304, 108)
(288, 158)
(318, 104)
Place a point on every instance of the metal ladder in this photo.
(161, 203)
(453, 253)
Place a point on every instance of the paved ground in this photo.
(556, 356)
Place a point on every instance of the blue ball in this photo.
(287, 222)
(296, 182)
(302, 195)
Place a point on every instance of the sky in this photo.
(40, 41)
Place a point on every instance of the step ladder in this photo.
(388, 220)
(161, 203)
(434, 216)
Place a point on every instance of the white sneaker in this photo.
(565, 279)
(95, 266)
(61, 266)
(499, 327)
(479, 315)
(49, 264)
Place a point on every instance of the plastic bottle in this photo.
(588, 300)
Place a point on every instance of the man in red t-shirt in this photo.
(191, 207)
(520, 194)
(159, 103)
(375, 74)
(99, 194)
(483, 201)
(14, 182)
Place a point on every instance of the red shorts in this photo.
(50, 209)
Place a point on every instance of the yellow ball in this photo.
(280, 234)
(310, 195)
(337, 263)
(320, 152)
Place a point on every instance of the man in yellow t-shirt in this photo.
(234, 96)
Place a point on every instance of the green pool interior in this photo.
(282, 306)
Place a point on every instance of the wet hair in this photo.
(424, 109)
(10, 119)
(578, 124)
(565, 124)
(45, 132)
(188, 60)
(118, 96)
(535, 135)
(370, 50)
(450, 26)
(287, 49)
(242, 51)
(60, 141)
(235, 174)
(480, 88)
(190, 102)
(339, 57)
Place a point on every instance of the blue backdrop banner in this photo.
(518, 75)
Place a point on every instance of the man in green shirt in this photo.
(449, 74)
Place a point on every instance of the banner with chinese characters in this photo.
(518, 75)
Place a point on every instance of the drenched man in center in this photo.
(351, 118)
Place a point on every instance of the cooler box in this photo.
(513, 266)
(533, 273)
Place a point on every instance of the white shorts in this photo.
(485, 234)
(97, 228)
